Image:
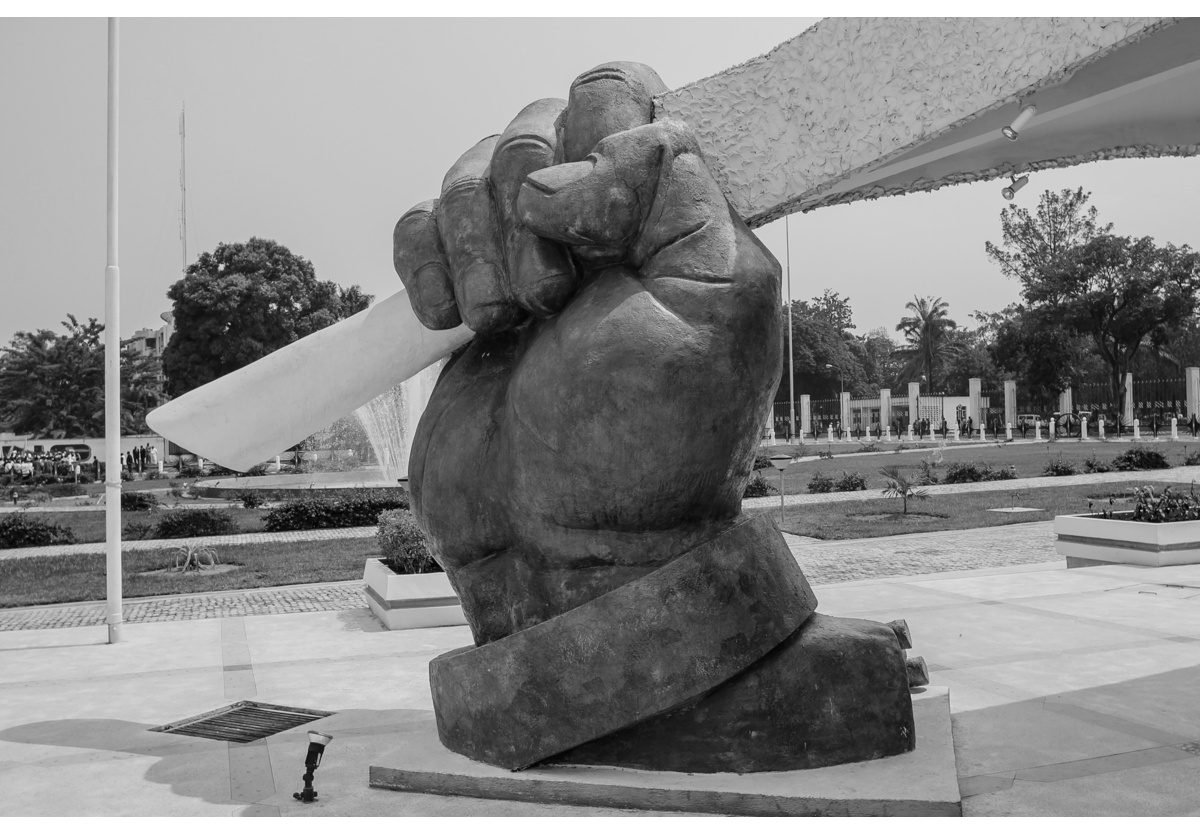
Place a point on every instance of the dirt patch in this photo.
(902, 518)
(175, 571)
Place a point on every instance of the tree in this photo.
(1032, 242)
(52, 385)
(969, 357)
(898, 485)
(242, 301)
(1122, 293)
(875, 352)
(929, 332)
(1035, 348)
(819, 338)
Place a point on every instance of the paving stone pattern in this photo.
(167, 544)
(334, 596)
(825, 563)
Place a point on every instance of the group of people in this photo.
(139, 459)
(23, 463)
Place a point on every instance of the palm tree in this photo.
(898, 485)
(929, 331)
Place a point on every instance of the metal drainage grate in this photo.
(242, 722)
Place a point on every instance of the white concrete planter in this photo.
(1084, 540)
(403, 601)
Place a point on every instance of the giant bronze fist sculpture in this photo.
(580, 466)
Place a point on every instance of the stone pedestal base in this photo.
(920, 783)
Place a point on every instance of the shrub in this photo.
(762, 460)
(134, 501)
(178, 490)
(155, 475)
(136, 530)
(928, 477)
(1137, 459)
(403, 543)
(65, 490)
(190, 469)
(194, 556)
(850, 482)
(1166, 506)
(84, 478)
(820, 482)
(867, 447)
(182, 524)
(257, 470)
(251, 499)
(757, 487)
(1058, 467)
(1094, 465)
(19, 530)
(37, 496)
(968, 473)
(1193, 459)
(340, 508)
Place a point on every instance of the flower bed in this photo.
(1162, 529)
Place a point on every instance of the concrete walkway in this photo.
(1072, 694)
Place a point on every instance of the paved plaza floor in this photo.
(1072, 693)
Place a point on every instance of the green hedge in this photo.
(332, 509)
(183, 524)
(18, 530)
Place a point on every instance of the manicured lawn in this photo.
(1030, 459)
(958, 511)
(56, 579)
(89, 525)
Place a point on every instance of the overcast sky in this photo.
(319, 133)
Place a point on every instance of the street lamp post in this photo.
(781, 462)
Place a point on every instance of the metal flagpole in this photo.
(787, 232)
(112, 356)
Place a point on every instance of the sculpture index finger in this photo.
(421, 264)
(540, 272)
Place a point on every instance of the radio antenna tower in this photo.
(183, 187)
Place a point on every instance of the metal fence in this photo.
(991, 413)
(1158, 400)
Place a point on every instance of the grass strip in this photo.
(1029, 459)
(956, 511)
(47, 580)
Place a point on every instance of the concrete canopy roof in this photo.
(864, 108)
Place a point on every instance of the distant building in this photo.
(147, 342)
(152, 343)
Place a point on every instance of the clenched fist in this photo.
(605, 417)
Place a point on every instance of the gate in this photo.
(864, 416)
(930, 413)
(824, 413)
(991, 413)
(1156, 401)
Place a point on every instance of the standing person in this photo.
(154, 456)
(970, 427)
(129, 462)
